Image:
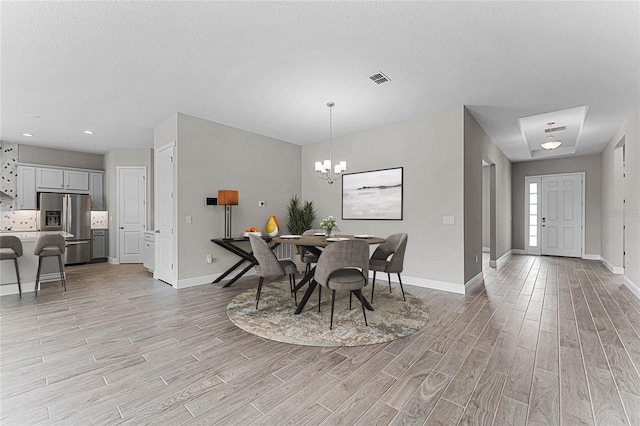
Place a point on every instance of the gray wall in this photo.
(612, 210)
(478, 147)
(213, 156)
(59, 157)
(430, 148)
(486, 211)
(591, 165)
(124, 157)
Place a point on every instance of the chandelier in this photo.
(324, 168)
(551, 142)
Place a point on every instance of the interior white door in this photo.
(132, 214)
(164, 216)
(562, 215)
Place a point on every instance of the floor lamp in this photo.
(227, 198)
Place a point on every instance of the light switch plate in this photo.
(189, 219)
(448, 220)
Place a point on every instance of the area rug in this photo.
(275, 320)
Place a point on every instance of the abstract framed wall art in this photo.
(375, 194)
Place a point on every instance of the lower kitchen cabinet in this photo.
(149, 250)
(99, 244)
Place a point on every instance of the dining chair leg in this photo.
(373, 285)
(389, 278)
(38, 275)
(319, 296)
(333, 302)
(64, 283)
(350, 295)
(259, 290)
(400, 279)
(361, 298)
(15, 261)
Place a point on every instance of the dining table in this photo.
(314, 244)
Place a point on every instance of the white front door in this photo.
(164, 184)
(561, 219)
(132, 213)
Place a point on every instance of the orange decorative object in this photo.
(227, 197)
(272, 227)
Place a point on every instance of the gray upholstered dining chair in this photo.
(305, 255)
(389, 257)
(269, 266)
(344, 265)
(48, 246)
(11, 248)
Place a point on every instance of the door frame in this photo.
(146, 206)
(536, 251)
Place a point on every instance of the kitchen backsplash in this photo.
(26, 220)
(8, 173)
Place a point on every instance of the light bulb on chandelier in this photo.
(323, 168)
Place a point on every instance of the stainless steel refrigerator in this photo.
(70, 213)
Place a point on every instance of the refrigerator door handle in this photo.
(69, 213)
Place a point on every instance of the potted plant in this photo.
(300, 215)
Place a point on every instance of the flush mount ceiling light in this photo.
(29, 135)
(88, 132)
(324, 167)
(551, 142)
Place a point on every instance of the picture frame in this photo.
(373, 195)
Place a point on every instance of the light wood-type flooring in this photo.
(543, 341)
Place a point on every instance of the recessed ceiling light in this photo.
(27, 135)
(88, 132)
(33, 116)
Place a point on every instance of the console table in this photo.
(230, 244)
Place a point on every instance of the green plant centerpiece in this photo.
(300, 215)
(330, 225)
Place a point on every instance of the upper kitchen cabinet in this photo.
(49, 179)
(26, 188)
(96, 189)
(61, 180)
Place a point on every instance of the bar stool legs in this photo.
(15, 261)
(38, 275)
(62, 279)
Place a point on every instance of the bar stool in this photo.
(11, 248)
(47, 246)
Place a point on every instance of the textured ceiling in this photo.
(121, 68)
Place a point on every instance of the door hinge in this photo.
(172, 266)
(171, 158)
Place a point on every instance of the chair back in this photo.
(11, 242)
(267, 260)
(49, 240)
(394, 246)
(302, 250)
(343, 255)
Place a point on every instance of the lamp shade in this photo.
(227, 197)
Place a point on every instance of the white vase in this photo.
(330, 233)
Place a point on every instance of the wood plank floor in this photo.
(543, 341)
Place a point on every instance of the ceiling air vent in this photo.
(379, 78)
(555, 129)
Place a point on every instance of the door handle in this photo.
(74, 243)
(157, 231)
(544, 220)
(122, 227)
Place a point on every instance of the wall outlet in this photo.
(209, 258)
(189, 219)
(261, 204)
(448, 220)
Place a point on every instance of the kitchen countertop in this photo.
(33, 235)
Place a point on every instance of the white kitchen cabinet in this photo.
(49, 179)
(26, 188)
(76, 180)
(149, 254)
(96, 189)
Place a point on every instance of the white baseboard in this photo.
(494, 263)
(206, 279)
(631, 286)
(486, 249)
(433, 284)
(518, 251)
(473, 281)
(615, 269)
(591, 256)
(114, 260)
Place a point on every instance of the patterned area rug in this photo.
(275, 320)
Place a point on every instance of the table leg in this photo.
(307, 295)
(228, 271)
(364, 301)
(241, 273)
